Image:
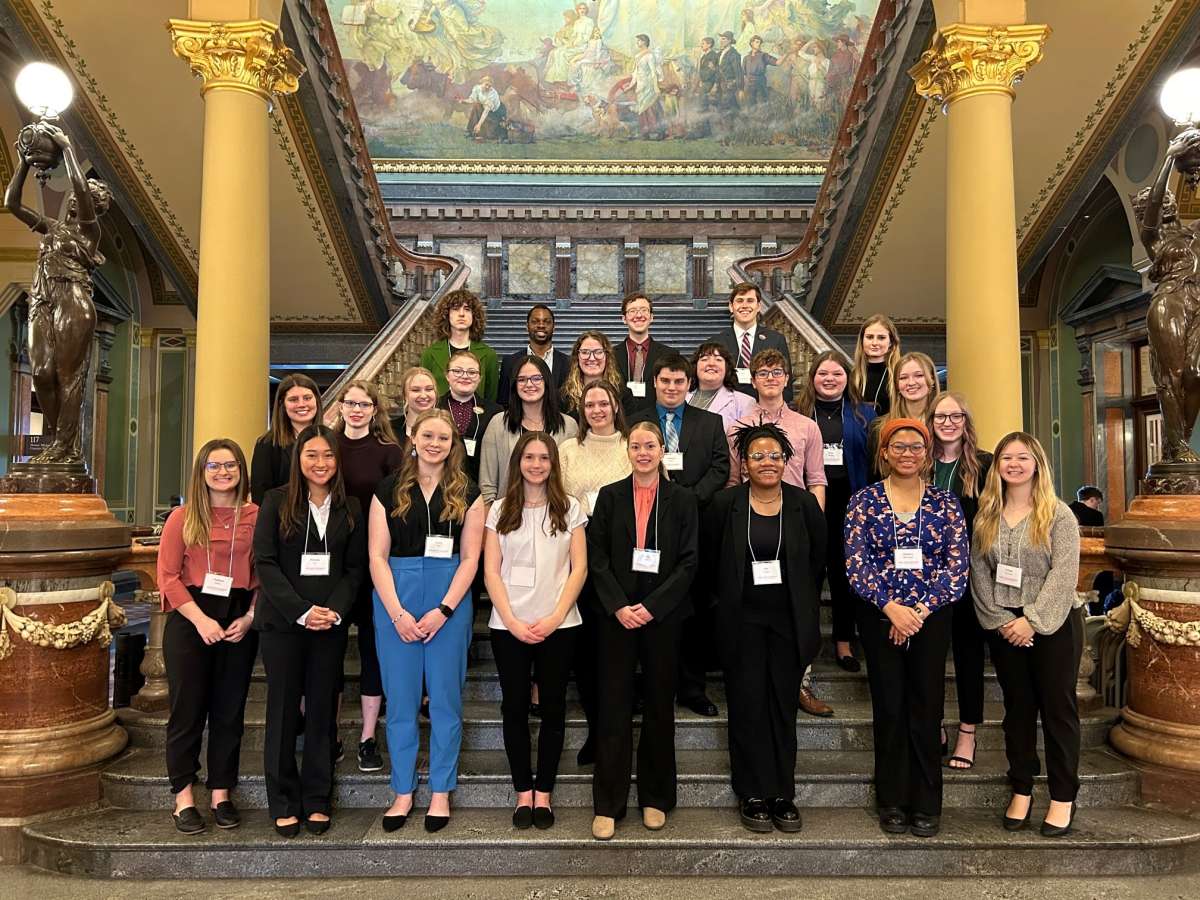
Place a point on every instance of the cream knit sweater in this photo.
(598, 461)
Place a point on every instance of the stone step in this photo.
(143, 844)
(823, 779)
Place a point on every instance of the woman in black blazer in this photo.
(297, 405)
(765, 550)
(642, 556)
(310, 549)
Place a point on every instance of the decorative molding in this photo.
(967, 60)
(239, 56)
(793, 213)
(597, 167)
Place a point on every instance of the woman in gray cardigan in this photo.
(1024, 567)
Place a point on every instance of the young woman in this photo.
(914, 387)
(592, 359)
(907, 557)
(535, 555)
(532, 406)
(765, 547)
(875, 356)
(206, 578)
(369, 453)
(829, 397)
(642, 555)
(425, 538)
(716, 384)
(297, 405)
(461, 320)
(959, 466)
(310, 547)
(420, 395)
(1024, 567)
(471, 413)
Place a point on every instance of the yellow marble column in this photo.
(972, 70)
(242, 65)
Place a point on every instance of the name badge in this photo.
(909, 558)
(743, 376)
(832, 455)
(439, 546)
(645, 561)
(314, 564)
(637, 388)
(1008, 575)
(217, 585)
(767, 572)
(469, 443)
(673, 461)
(521, 576)
(592, 497)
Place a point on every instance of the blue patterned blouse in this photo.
(872, 530)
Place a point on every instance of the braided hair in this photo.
(746, 434)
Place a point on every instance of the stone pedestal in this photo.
(1158, 546)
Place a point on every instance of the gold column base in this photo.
(1151, 740)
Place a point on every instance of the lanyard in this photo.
(307, 523)
(779, 543)
(429, 520)
(953, 471)
(656, 490)
(879, 387)
(920, 515)
(232, 537)
(1020, 539)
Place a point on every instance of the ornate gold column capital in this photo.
(965, 60)
(241, 56)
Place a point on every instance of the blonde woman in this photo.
(1024, 567)
(297, 405)
(875, 355)
(418, 392)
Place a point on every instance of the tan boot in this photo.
(654, 819)
(603, 828)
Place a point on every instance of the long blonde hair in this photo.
(197, 514)
(454, 475)
(381, 426)
(991, 501)
(572, 390)
(968, 459)
(409, 374)
(858, 373)
(900, 408)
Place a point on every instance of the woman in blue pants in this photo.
(425, 534)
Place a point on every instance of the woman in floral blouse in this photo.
(907, 556)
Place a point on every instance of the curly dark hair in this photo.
(453, 300)
(709, 348)
(745, 435)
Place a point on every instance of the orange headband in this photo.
(894, 425)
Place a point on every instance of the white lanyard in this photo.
(436, 545)
(879, 387)
(232, 537)
(953, 471)
(767, 571)
(314, 563)
(646, 560)
(909, 557)
(1010, 576)
(215, 583)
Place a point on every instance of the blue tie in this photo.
(672, 434)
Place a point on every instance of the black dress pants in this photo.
(370, 681)
(583, 659)
(908, 685)
(301, 664)
(696, 652)
(620, 650)
(207, 684)
(519, 665)
(1041, 680)
(762, 682)
(841, 596)
(968, 644)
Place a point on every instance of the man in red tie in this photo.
(637, 354)
(745, 337)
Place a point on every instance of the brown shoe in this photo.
(603, 828)
(814, 705)
(652, 818)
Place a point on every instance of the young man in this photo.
(1087, 506)
(539, 324)
(471, 412)
(638, 354)
(460, 321)
(697, 458)
(745, 338)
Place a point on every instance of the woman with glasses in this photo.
(592, 359)
(207, 582)
(532, 406)
(716, 384)
(297, 405)
(419, 393)
(907, 557)
(765, 547)
(471, 413)
(959, 466)
(876, 353)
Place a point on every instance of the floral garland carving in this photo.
(96, 625)
(1133, 619)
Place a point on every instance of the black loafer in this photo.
(925, 826)
(785, 815)
(893, 819)
(543, 817)
(849, 663)
(523, 817)
(587, 753)
(226, 815)
(535, 710)
(701, 706)
(317, 826)
(756, 815)
(188, 820)
(287, 831)
(1049, 830)
(436, 823)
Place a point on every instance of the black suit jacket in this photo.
(764, 339)
(558, 371)
(476, 428)
(621, 351)
(705, 450)
(269, 467)
(285, 594)
(726, 559)
(612, 536)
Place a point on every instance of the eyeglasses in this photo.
(530, 379)
(942, 418)
(637, 310)
(770, 373)
(592, 354)
(231, 466)
(358, 404)
(463, 373)
(759, 456)
(907, 449)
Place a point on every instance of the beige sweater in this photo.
(598, 461)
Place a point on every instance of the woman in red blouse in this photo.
(207, 582)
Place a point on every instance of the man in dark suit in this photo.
(730, 77)
(707, 74)
(638, 354)
(745, 337)
(697, 458)
(539, 324)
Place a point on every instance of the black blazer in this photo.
(764, 339)
(621, 352)
(970, 505)
(705, 450)
(726, 559)
(270, 467)
(285, 594)
(612, 536)
(476, 428)
(508, 367)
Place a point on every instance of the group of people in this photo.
(628, 510)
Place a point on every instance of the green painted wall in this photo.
(117, 489)
(1070, 413)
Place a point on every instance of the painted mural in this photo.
(688, 80)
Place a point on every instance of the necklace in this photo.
(770, 502)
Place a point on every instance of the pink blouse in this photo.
(181, 566)
(643, 505)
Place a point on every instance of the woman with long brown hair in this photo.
(461, 321)
(876, 353)
(535, 565)
(297, 405)
(592, 359)
(207, 582)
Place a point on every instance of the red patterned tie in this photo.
(744, 360)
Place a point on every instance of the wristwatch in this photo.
(445, 610)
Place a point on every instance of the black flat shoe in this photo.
(394, 823)
(226, 815)
(1011, 824)
(785, 815)
(756, 815)
(535, 710)
(701, 706)
(436, 823)
(543, 818)
(587, 753)
(188, 820)
(925, 826)
(849, 663)
(522, 817)
(893, 820)
(1049, 830)
(287, 831)
(317, 826)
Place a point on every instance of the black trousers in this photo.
(370, 681)
(207, 684)
(908, 686)
(968, 643)
(620, 650)
(842, 597)
(697, 654)
(762, 682)
(583, 660)
(1041, 680)
(308, 665)
(519, 665)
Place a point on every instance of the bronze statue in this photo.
(1173, 320)
(62, 319)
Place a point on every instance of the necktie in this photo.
(639, 362)
(672, 434)
(744, 359)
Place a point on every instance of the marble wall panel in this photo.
(471, 253)
(598, 269)
(529, 268)
(665, 268)
(723, 254)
